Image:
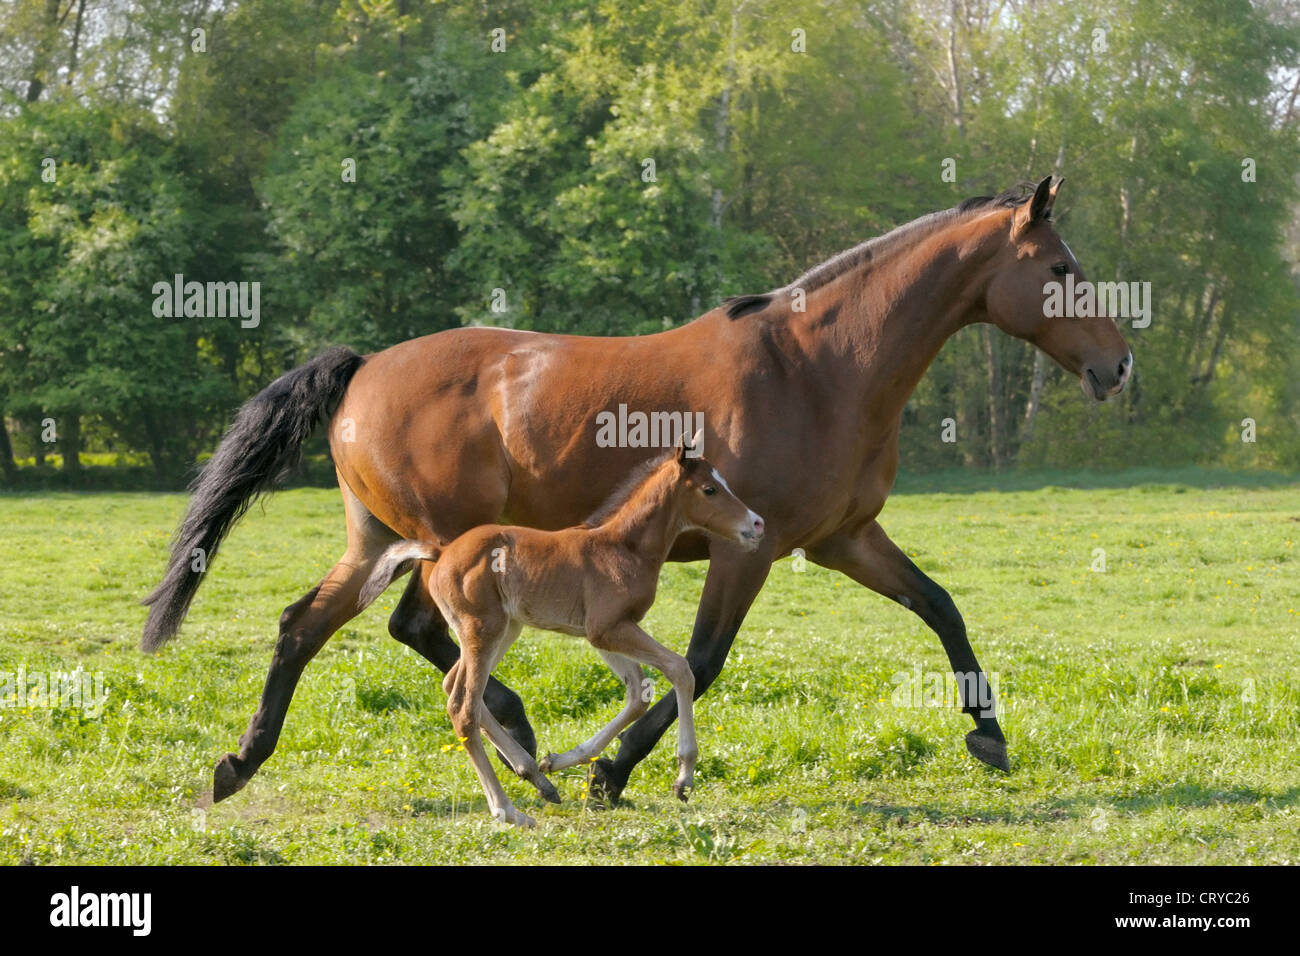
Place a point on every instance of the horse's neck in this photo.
(646, 524)
(896, 314)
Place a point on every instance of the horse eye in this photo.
(1061, 268)
(710, 491)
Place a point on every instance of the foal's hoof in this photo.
(988, 749)
(513, 817)
(226, 778)
(603, 784)
(683, 790)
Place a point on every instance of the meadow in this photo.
(1151, 707)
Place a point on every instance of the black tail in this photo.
(261, 448)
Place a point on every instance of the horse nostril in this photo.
(758, 526)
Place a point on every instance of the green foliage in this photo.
(502, 156)
(81, 336)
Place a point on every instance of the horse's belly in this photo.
(546, 614)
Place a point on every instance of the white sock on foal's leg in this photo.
(629, 672)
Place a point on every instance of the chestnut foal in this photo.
(596, 580)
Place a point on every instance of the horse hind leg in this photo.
(516, 758)
(465, 708)
(417, 623)
(510, 751)
(305, 626)
(629, 672)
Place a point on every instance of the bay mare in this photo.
(475, 426)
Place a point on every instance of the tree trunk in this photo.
(76, 40)
(1208, 375)
(722, 124)
(1035, 397)
(70, 444)
(44, 51)
(996, 439)
(958, 110)
(1202, 328)
(38, 443)
(7, 463)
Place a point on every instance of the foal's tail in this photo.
(396, 560)
(261, 448)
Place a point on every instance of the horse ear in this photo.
(688, 450)
(1038, 208)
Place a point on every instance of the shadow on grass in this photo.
(1079, 806)
(962, 481)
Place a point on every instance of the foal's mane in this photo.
(837, 265)
(626, 489)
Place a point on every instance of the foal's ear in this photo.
(690, 450)
(1038, 208)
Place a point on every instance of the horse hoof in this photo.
(513, 817)
(603, 785)
(547, 790)
(989, 750)
(226, 778)
(682, 790)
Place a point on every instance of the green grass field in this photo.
(1151, 710)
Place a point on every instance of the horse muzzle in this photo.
(1100, 382)
(751, 534)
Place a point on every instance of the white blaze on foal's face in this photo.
(713, 506)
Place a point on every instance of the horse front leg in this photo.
(417, 623)
(733, 581)
(867, 556)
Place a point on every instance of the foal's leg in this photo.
(509, 749)
(868, 556)
(733, 581)
(516, 758)
(464, 686)
(629, 672)
(418, 624)
(629, 640)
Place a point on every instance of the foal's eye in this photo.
(710, 491)
(1061, 268)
